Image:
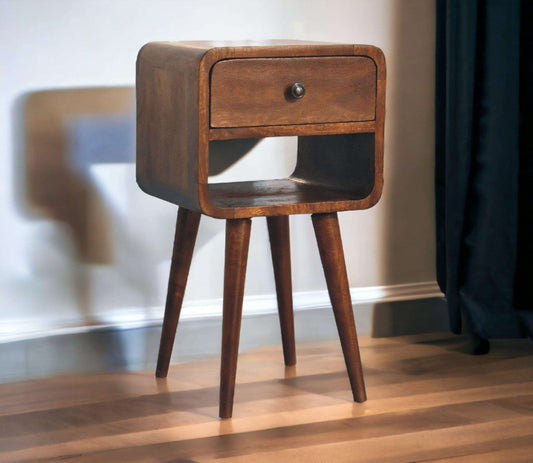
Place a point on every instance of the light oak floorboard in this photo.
(428, 401)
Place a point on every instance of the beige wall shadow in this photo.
(409, 217)
(409, 221)
(51, 183)
(52, 187)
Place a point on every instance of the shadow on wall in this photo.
(409, 220)
(64, 133)
(400, 318)
(56, 183)
(408, 201)
(75, 169)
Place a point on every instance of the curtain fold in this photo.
(483, 201)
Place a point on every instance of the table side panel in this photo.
(167, 122)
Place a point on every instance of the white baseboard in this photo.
(128, 318)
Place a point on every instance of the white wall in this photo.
(69, 44)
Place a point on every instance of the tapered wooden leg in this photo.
(237, 241)
(185, 237)
(331, 253)
(278, 230)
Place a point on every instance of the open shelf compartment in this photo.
(331, 170)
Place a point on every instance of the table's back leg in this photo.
(278, 230)
(186, 231)
(237, 242)
(332, 255)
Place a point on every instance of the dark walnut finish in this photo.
(185, 237)
(251, 92)
(328, 237)
(278, 232)
(332, 96)
(237, 240)
(173, 121)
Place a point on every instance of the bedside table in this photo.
(332, 96)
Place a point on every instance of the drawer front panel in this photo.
(257, 92)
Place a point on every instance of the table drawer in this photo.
(284, 91)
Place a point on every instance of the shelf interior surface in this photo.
(264, 193)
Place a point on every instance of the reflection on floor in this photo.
(428, 401)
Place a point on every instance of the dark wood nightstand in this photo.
(332, 96)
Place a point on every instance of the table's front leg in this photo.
(184, 240)
(237, 242)
(332, 255)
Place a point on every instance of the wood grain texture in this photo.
(186, 230)
(279, 234)
(167, 122)
(274, 197)
(173, 101)
(182, 87)
(342, 163)
(291, 130)
(429, 402)
(272, 47)
(332, 255)
(256, 92)
(237, 241)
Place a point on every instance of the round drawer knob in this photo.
(297, 90)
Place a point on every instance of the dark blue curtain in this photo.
(484, 168)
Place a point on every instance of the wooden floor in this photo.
(428, 401)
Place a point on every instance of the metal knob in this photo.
(297, 90)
